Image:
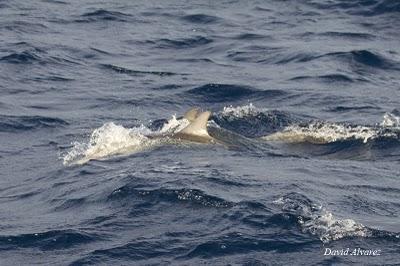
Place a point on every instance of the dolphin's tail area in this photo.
(197, 129)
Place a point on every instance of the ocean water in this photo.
(304, 96)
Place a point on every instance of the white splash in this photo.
(317, 221)
(174, 125)
(327, 132)
(390, 120)
(327, 227)
(323, 132)
(111, 139)
(241, 111)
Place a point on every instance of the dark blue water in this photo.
(305, 95)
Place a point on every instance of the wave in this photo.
(385, 7)
(136, 73)
(254, 54)
(296, 57)
(183, 43)
(24, 27)
(168, 87)
(25, 57)
(228, 92)
(32, 57)
(369, 58)
(140, 251)
(50, 240)
(221, 92)
(250, 36)
(341, 34)
(354, 58)
(23, 123)
(327, 78)
(57, 2)
(361, 7)
(342, 108)
(26, 53)
(69, 204)
(241, 243)
(56, 78)
(251, 121)
(181, 195)
(104, 15)
(201, 19)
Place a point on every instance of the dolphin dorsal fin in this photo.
(199, 126)
(191, 114)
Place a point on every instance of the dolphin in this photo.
(195, 131)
